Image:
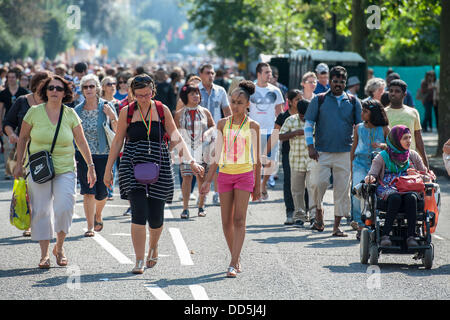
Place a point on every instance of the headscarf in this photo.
(398, 159)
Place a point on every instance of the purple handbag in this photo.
(148, 172)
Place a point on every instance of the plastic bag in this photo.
(20, 210)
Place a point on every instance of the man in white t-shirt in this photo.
(215, 99)
(265, 105)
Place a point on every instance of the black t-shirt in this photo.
(16, 113)
(8, 99)
(166, 94)
(285, 147)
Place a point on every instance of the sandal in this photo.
(201, 212)
(232, 272)
(185, 214)
(150, 259)
(139, 268)
(96, 224)
(264, 195)
(61, 259)
(44, 263)
(339, 233)
(27, 233)
(89, 234)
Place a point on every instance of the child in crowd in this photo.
(299, 161)
(368, 136)
(239, 171)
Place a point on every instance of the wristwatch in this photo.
(91, 165)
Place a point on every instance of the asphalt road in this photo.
(279, 262)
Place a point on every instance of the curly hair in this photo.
(42, 90)
(378, 116)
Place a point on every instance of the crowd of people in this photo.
(221, 130)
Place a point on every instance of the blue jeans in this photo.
(359, 173)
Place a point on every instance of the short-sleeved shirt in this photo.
(214, 102)
(280, 121)
(320, 88)
(298, 155)
(406, 116)
(43, 131)
(334, 122)
(8, 99)
(262, 106)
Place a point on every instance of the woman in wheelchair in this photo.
(397, 160)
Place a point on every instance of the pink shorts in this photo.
(229, 182)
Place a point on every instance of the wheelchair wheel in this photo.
(428, 258)
(373, 254)
(364, 246)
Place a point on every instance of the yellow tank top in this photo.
(236, 156)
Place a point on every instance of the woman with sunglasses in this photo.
(53, 202)
(143, 127)
(94, 112)
(109, 89)
(122, 86)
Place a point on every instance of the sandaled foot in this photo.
(61, 258)
(201, 212)
(318, 227)
(44, 263)
(339, 233)
(232, 272)
(151, 260)
(185, 214)
(98, 226)
(27, 233)
(139, 267)
(264, 195)
(89, 234)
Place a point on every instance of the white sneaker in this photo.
(271, 182)
(192, 197)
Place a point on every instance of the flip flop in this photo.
(339, 233)
(89, 234)
(98, 224)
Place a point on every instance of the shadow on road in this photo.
(207, 278)
(413, 269)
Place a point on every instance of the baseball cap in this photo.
(322, 68)
(352, 81)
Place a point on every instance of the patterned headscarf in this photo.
(398, 156)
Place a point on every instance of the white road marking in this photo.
(198, 292)
(437, 237)
(180, 245)
(157, 292)
(168, 213)
(119, 256)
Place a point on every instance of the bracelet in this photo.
(91, 165)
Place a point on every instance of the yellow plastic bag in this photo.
(20, 210)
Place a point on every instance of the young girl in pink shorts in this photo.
(239, 170)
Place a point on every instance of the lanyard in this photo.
(235, 137)
(149, 126)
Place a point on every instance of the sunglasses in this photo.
(91, 86)
(111, 84)
(339, 81)
(142, 79)
(57, 88)
(122, 82)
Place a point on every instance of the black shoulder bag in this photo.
(41, 163)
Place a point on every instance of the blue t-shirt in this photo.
(334, 122)
(119, 96)
(321, 88)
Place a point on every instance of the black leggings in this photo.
(145, 209)
(406, 203)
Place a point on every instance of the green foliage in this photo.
(409, 31)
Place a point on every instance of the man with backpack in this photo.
(331, 116)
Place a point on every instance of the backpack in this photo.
(159, 108)
(321, 99)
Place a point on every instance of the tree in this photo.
(444, 93)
